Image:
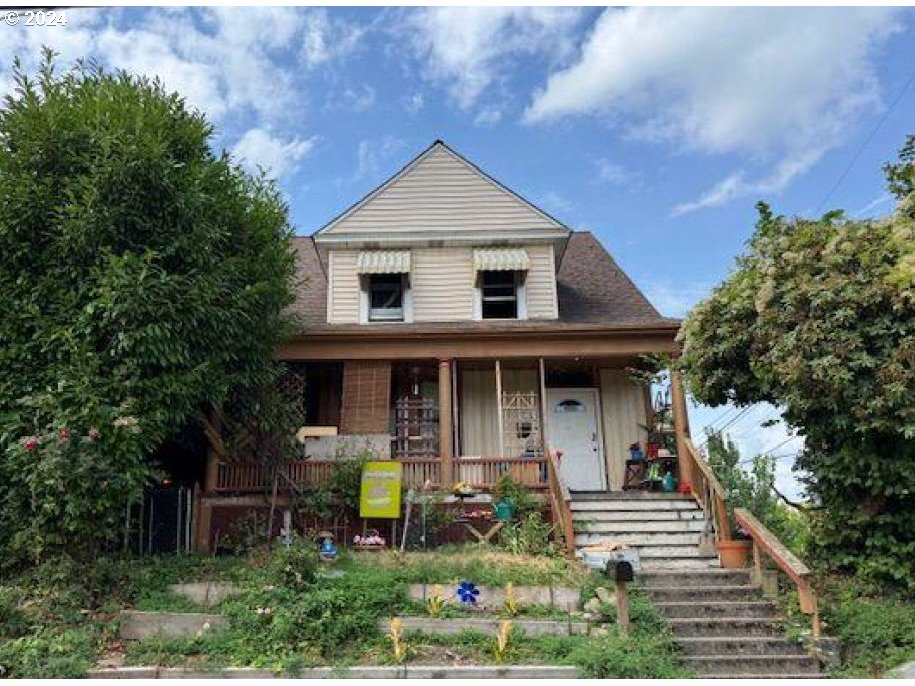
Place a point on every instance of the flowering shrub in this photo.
(155, 269)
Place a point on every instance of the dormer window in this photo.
(385, 286)
(500, 283)
(499, 295)
(386, 297)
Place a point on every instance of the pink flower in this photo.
(63, 434)
(30, 444)
(93, 434)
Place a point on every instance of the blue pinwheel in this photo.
(467, 592)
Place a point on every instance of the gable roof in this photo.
(593, 293)
(440, 192)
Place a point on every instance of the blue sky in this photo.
(656, 128)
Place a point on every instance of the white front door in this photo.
(573, 429)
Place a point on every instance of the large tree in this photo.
(819, 318)
(142, 278)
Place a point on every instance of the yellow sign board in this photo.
(379, 496)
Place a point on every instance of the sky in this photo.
(656, 128)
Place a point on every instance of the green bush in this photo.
(876, 635)
(50, 654)
(528, 536)
(294, 566)
(636, 657)
(13, 621)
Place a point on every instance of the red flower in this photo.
(63, 434)
(30, 444)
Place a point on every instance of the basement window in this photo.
(386, 297)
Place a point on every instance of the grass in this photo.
(481, 564)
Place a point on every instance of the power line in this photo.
(729, 423)
(865, 143)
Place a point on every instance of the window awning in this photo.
(383, 262)
(501, 260)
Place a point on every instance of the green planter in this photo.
(504, 510)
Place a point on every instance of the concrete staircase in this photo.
(724, 627)
(664, 527)
(720, 620)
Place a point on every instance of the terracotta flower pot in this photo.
(733, 554)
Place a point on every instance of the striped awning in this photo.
(383, 262)
(501, 260)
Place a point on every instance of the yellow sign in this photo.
(380, 493)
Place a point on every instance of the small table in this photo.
(482, 537)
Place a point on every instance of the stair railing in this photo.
(560, 503)
(709, 493)
(766, 543)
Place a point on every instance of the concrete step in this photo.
(756, 609)
(627, 495)
(632, 505)
(672, 550)
(737, 665)
(661, 564)
(762, 676)
(695, 646)
(730, 627)
(637, 516)
(681, 594)
(640, 538)
(626, 526)
(709, 577)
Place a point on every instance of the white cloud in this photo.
(328, 38)
(360, 99)
(885, 198)
(260, 149)
(488, 116)
(470, 48)
(554, 202)
(414, 103)
(374, 157)
(613, 174)
(778, 84)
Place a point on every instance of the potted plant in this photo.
(733, 554)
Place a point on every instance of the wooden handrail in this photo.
(560, 499)
(766, 542)
(708, 491)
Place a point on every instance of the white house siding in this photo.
(442, 194)
(342, 287)
(479, 413)
(541, 283)
(623, 414)
(442, 284)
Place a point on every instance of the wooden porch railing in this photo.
(765, 542)
(709, 493)
(560, 500)
(482, 473)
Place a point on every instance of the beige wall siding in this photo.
(623, 414)
(479, 420)
(342, 287)
(541, 283)
(441, 193)
(442, 284)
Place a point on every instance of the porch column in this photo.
(445, 423)
(681, 425)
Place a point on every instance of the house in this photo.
(449, 323)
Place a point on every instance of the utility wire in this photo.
(865, 143)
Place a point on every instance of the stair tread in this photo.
(748, 658)
(770, 675)
(706, 603)
(690, 589)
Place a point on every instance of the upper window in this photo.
(499, 294)
(386, 297)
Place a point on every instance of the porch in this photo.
(471, 421)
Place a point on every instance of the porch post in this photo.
(500, 418)
(681, 425)
(445, 424)
(544, 438)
